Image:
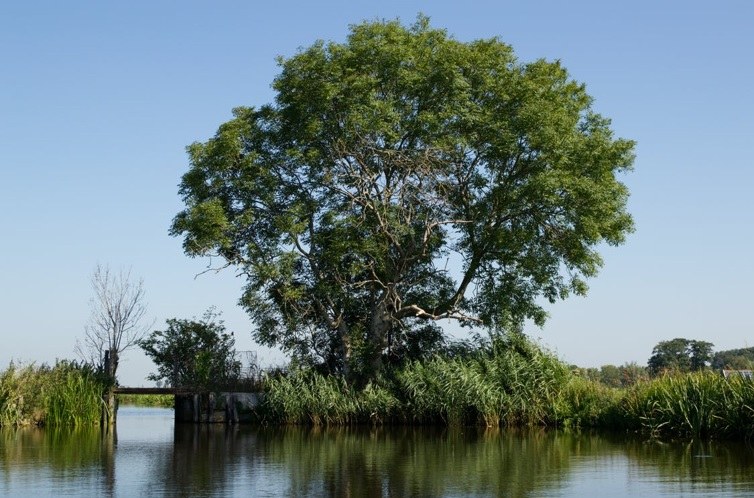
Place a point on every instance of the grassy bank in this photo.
(65, 394)
(513, 382)
(147, 400)
(697, 405)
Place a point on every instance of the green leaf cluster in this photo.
(680, 355)
(193, 353)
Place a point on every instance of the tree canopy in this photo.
(680, 355)
(401, 179)
(193, 353)
(736, 359)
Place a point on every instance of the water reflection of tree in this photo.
(405, 461)
(394, 461)
(411, 462)
(206, 459)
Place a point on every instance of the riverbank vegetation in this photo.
(147, 400)
(66, 394)
(508, 381)
(512, 382)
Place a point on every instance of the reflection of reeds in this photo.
(405, 461)
(66, 394)
(59, 447)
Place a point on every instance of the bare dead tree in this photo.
(117, 320)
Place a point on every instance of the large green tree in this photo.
(680, 355)
(401, 179)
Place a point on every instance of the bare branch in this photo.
(116, 323)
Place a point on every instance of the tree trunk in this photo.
(379, 328)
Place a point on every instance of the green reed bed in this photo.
(586, 403)
(306, 397)
(511, 382)
(696, 405)
(65, 394)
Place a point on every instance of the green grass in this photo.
(65, 394)
(515, 383)
(156, 400)
(511, 382)
(700, 405)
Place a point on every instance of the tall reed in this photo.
(453, 391)
(66, 394)
(513, 382)
(695, 405)
(74, 396)
(306, 397)
(586, 403)
(510, 382)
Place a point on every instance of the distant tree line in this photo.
(734, 359)
(677, 355)
(625, 375)
(687, 355)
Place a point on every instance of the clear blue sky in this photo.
(99, 99)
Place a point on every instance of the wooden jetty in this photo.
(151, 390)
(193, 406)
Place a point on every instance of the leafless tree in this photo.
(117, 320)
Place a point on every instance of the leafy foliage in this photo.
(625, 375)
(680, 355)
(734, 359)
(193, 353)
(383, 162)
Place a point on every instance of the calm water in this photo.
(148, 456)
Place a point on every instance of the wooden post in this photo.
(109, 406)
(231, 414)
(233, 409)
(210, 406)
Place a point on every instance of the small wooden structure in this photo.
(223, 407)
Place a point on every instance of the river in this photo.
(149, 456)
